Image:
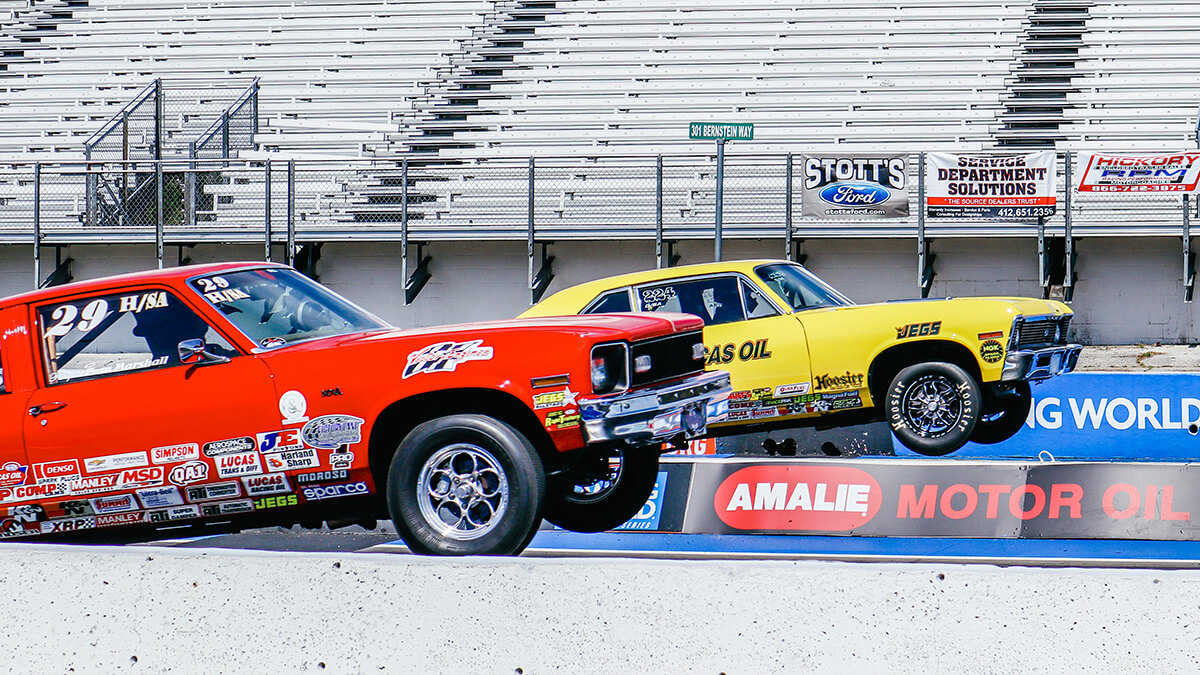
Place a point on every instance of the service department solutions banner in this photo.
(990, 186)
(854, 186)
(1174, 172)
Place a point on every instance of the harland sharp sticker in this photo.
(444, 357)
(291, 460)
(293, 405)
(330, 431)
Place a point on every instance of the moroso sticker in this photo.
(291, 460)
(322, 476)
(276, 441)
(125, 460)
(186, 474)
(12, 474)
(65, 470)
(114, 504)
(991, 351)
(445, 357)
(811, 498)
(334, 491)
(169, 454)
(68, 524)
(160, 497)
(241, 464)
(114, 519)
(229, 445)
(332, 431)
(204, 493)
(266, 485)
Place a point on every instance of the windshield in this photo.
(800, 288)
(275, 306)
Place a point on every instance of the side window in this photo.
(616, 301)
(119, 333)
(713, 299)
(756, 305)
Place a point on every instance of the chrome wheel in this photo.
(462, 492)
(599, 488)
(932, 406)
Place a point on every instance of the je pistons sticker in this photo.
(330, 431)
(991, 351)
(444, 357)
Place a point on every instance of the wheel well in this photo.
(894, 359)
(399, 418)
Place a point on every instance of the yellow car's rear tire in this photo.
(933, 407)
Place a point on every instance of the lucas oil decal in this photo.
(751, 350)
(444, 357)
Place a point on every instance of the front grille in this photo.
(670, 357)
(1040, 332)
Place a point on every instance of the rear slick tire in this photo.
(1004, 418)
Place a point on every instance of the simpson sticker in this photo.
(276, 502)
(159, 497)
(114, 503)
(227, 508)
(847, 380)
(115, 519)
(170, 454)
(276, 441)
(855, 186)
(293, 405)
(266, 485)
(241, 464)
(291, 460)
(115, 462)
(230, 446)
(341, 460)
(318, 493)
(49, 472)
(331, 431)
(991, 351)
(205, 493)
(12, 474)
(186, 474)
(322, 476)
(554, 399)
(444, 357)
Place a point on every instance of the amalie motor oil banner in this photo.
(990, 186)
(1168, 172)
(946, 498)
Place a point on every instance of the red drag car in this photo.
(232, 395)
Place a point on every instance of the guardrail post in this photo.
(158, 120)
(529, 223)
(225, 134)
(158, 221)
(658, 211)
(267, 199)
(718, 233)
(1069, 279)
(290, 254)
(404, 226)
(787, 210)
(189, 189)
(37, 224)
(90, 189)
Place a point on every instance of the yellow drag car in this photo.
(941, 372)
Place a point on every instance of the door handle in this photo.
(46, 407)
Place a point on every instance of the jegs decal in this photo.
(555, 399)
(445, 357)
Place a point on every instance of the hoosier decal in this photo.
(839, 382)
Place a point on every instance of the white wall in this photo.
(151, 610)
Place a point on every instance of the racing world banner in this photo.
(854, 186)
(1173, 172)
(990, 186)
(946, 498)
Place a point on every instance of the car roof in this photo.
(171, 274)
(637, 278)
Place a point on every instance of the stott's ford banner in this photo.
(1104, 416)
(854, 187)
(990, 186)
(1172, 172)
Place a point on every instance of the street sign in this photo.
(720, 131)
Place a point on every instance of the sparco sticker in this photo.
(334, 491)
(444, 357)
(331, 431)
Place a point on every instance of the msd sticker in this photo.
(169, 454)
(292, 459)
(114, 504)
(125, 460)
(143, 477)
(241, 464)
(445, 357)
(331, 431)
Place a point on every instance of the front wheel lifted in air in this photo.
(1003, 415)
(466, 485)
(933, 407)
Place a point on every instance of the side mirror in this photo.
(192, 352)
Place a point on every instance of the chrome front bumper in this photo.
(658, 414)
(1039, 364)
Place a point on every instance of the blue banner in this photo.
(1103, 416)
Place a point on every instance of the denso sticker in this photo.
(445, 357)
(90, 485)
(160, 497)
(823, 498)
(229, 446)
(204, 493)
(115, 519)
(68, 525)
(12, 474)
(266, 485)
(227, 508)
(275, 441)
(125, 460)
(292, 459)
(114, 504)
(186, 474)
(144, 477)
(334, 491)
(331, 431)
(322, 476)
(64, 470)
(169, 454)
(341, 460)
(241, 464)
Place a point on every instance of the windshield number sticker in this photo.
(93, 313)
(653, 298)
(216, 289)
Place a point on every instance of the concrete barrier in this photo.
(153, 610)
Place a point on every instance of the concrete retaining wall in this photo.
(153, 610)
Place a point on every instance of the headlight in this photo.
(610, 368)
